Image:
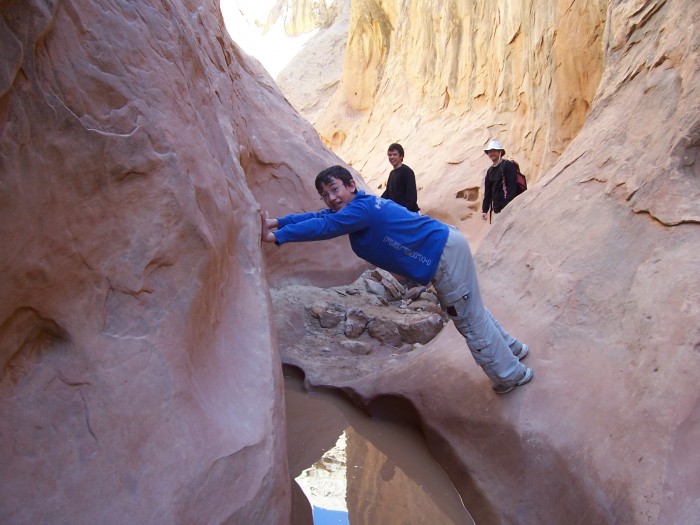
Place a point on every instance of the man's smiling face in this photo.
(395, 158)
(336, 195)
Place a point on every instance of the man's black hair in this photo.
(395, 147)
(334, 172)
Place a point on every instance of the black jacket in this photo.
(401, 188)
(500, 186)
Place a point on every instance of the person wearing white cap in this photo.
(501, 181)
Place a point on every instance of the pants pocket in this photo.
(472, 325)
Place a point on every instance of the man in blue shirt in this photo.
(415, 246)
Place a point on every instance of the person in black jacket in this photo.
(501, 181)
(401, 185)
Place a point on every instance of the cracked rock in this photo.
(385, 331)
(355, 322)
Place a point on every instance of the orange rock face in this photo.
(140, 379)
(444, 77)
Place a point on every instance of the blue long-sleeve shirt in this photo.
(381, 232)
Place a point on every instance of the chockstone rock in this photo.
(344, 332)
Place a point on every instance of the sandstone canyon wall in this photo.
(140, 380)
(140, 376)
(601, 263)
(443, 77)
(313, 76)
(596, 265)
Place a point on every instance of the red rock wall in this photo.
(140, 379)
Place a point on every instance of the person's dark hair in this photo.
(396, 147)
(334, 172)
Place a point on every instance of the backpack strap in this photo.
(503, 179)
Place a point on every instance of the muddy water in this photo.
(353, 469)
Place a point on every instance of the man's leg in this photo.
(458, 289)
(518, 349)
(509, 339)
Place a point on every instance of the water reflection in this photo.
(325, 485)
(356, 470)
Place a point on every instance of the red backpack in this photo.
(522, 182)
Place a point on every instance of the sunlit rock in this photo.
(443, 77)
(311, 78)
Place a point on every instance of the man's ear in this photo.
(352, 186)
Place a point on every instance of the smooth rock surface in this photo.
(140, 377)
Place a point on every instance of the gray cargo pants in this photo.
(458, 290)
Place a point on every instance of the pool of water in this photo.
(350, 468)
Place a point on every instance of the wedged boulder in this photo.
(341, 333)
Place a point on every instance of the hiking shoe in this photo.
(521, 352)
(504, 389)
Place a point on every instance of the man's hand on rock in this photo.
(267, 235)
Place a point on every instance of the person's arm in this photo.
(299, 217)
(268, 225)
(487, 196)
(323, 225)
(410, 193)
(387, 194)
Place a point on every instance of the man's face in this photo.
(395, 158)
(336, 195)
(494, 155)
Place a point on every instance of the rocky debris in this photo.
(356, 347)
(389, 282)
(384, 331)
(328, 316)
(355, 322)
(425, 305)
(430, 297)
(413, 293)
(352, 330)
(375, 287)
(421, 331)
